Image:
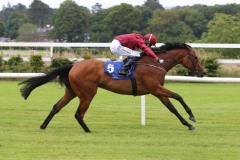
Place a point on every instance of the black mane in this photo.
(170, 46)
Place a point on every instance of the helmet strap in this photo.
(150, 38)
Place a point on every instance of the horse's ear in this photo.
(188, 47)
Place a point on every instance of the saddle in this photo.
(112, 67)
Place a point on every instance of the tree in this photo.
(146, 15)
(194, 19)
(96, 8)
(97, 25)
(6, 12)
(28, 33)
(70, 22)
(38, 13)
(122, 19)
(153, 4)
(2, 29)
(167, 26)
(14, 22)
(223, 29)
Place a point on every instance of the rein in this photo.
(150, 65)
(190, 58)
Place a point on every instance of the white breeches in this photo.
(120, 50)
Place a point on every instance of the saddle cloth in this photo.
(112, 67)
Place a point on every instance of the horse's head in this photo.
(192, 62)
(186, 56)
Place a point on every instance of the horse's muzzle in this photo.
(199, 72)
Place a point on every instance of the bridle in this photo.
(191, 58)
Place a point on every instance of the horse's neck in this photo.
(168, 65)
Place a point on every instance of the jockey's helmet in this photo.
(151, 38)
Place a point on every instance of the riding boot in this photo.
(125, 70)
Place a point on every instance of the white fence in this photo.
(167, 78)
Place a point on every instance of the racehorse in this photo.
(83, 78)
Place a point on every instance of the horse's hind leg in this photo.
(84, 105)
(170, 106)
(68, 96)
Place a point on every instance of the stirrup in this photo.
(123, 72)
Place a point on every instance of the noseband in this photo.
(193, 60)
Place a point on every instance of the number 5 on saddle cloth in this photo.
(112, 67)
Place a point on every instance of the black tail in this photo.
(32, 83)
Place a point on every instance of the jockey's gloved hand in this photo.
(159, 60)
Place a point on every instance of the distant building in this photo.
(43, 33)
(4, 39)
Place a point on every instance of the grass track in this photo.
(115, 124)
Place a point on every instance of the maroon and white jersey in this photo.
(135, 41)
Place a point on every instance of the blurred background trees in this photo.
(73, 23)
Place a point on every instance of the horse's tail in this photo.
(32, 83)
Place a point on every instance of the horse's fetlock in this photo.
(55, 109)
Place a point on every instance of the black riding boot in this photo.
(125, 70)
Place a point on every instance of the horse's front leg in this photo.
(169, 105)
(162, 91)
(185, 106)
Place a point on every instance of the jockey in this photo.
(126, 45)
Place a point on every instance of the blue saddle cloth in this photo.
(112, 67)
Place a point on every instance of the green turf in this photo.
(115, 124)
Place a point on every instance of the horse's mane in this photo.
(170, 46)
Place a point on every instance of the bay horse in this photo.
(83, 78)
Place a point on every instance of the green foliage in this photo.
(122, 19)
(2, 28)
(70, 22)
(181, 71)
(153, 4)
(219, 32)
(36, 63)
(146, 14)
(197, 23)
(211, 65)
(97, 24)
(171, 27)
(194, 19)
(8, 10)
(28, 33)
(58, 62)
(1, 63)
(16, 64)
(87, 55)
(14, 22)
(38, 12)
(14, 61)
(229, 33)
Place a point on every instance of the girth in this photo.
(134, 86)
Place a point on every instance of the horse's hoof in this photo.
(42, 127)
(192, 119)
(192, 128)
